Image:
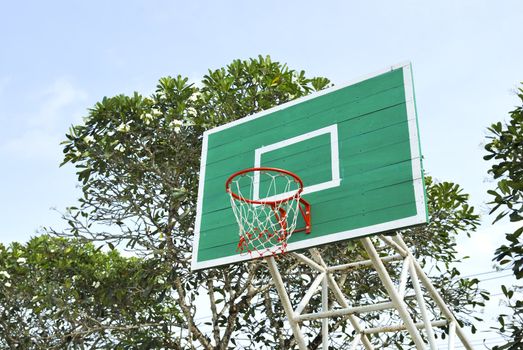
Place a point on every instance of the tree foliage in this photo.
(57, 293)
(137, 159)
(505, 148)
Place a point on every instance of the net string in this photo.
(264, 229)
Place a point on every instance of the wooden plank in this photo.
(227, 246)
(270, 129)
(360, 168)
(361, 145)
(365, 210)
(346, 98)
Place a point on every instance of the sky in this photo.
(58, 58)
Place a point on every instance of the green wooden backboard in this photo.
(356, 148)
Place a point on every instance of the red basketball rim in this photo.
(253, 201)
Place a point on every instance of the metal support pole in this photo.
(421, 304)
(363, 264)
(312, 289)
(278, 282)
(346, 311)
(404, 276)
(391, 290)
(425, 280)
(402, 250)
(398, 295)
(355, 342)
(402, 327)
(353, 320)
(343, 302)
(308, 261)
(325, 308)
(452, 335)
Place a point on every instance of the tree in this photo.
(506, 150)
(57, 293)
(137, 159)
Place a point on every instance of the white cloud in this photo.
(59, 97)
(38, 131)
(33, 143)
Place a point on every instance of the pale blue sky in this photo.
(57, 58)
(60, 57)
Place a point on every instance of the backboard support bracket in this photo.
(397, 293)
(305, 210)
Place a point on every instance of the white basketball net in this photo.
(265, 228)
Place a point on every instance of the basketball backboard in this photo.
(355, 147)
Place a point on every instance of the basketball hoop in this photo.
(266, 203)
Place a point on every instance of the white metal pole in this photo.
(308, 261)
(421, 304)
(452, 335)
(352, 319)
(355, 342)
(404, 276)
(341, 299)
(325, 308)
(425, 280)
(391, 290)
(402, 327)
(278, 282)
(403, 250)
(324, 299)
(346, 311)
(363, 263)
(308, 295)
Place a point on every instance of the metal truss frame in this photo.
(397, 293)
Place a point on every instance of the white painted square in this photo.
(335, 159)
